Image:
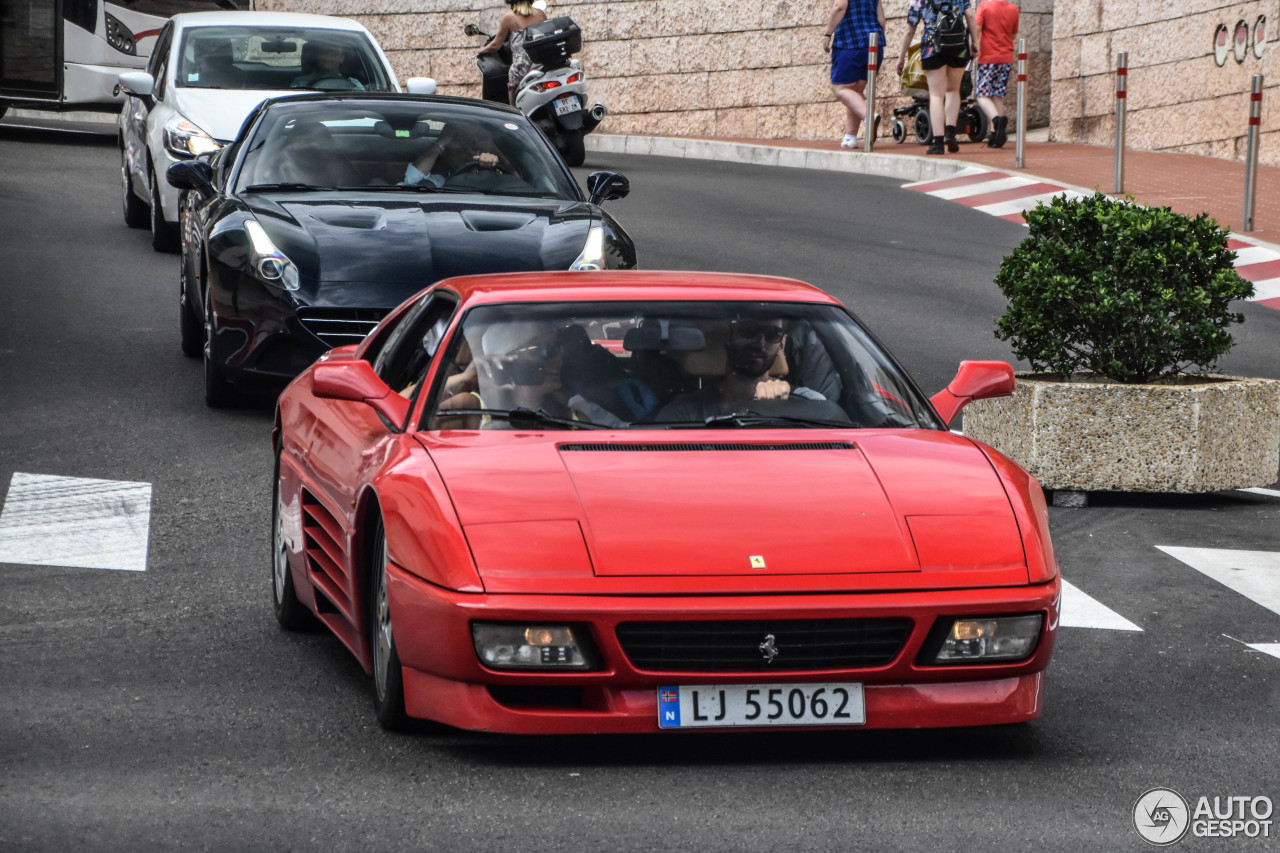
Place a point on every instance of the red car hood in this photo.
(862, 510)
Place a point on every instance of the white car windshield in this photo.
(669, 365)
(279, 58)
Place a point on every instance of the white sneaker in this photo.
(850, 141)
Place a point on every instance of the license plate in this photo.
(718, 705)
(567, 104)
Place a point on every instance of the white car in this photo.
(207, 73)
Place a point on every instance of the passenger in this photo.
(511, 31)
(752, 350)
(215, 66)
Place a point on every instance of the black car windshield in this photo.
(669, 365)
(246, 57)
(401, 146)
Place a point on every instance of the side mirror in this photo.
(975, 380)
(421, 86)
(472, 30)
(194, 175)
(137, 83)
(607, 186)
(355, 380)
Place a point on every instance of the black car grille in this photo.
(340, 326)
(801, 644)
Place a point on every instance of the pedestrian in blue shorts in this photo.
(849, 26)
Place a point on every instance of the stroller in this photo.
(972, 121)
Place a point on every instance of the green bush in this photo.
(1107, 287)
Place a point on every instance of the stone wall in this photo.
(1179, 99)
(719, 68)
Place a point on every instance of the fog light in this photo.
(515, 646)
(997, 638)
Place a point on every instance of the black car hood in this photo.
(341, 247)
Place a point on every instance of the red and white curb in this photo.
(1008, 196)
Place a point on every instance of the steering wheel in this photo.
(476, 166)
(338, 79)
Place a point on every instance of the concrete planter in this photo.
(1202, 434)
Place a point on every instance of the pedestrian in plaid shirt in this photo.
(847, 39)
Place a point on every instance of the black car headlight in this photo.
(592, 257)
(272, 265)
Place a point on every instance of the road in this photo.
(163, 709)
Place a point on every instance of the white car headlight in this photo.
(272, 265)
(592, 257)
(184, 139)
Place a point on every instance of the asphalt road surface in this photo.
(164, 710)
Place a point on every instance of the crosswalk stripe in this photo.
(1081, 611)
(1008, 196)
(1272, 649)
(1253, 574)
(75, 522)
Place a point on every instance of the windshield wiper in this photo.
(523, 418)
(283, 187)
(748, 421)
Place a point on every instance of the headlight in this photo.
(272, 265)
(184, 139)
(592, 257)
(993, 638)
(517, 646)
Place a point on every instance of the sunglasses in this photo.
(751, 331)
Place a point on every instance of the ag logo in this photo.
(1161, 816)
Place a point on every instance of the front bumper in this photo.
(445, 682)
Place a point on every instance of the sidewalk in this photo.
(1187, 183)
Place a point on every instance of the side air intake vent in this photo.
(702, 446)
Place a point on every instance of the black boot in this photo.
(935, 146)
(999, 131)
(952, 145)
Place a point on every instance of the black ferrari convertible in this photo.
(329, 210)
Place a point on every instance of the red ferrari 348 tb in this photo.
(642, 501)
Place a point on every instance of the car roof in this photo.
(187, 20)
(619, 285)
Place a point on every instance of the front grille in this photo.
(340, 326)
(801, 644)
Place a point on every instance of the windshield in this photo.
(402, 147)
(279, 58)
(669, 365)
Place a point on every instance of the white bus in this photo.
(67, 54)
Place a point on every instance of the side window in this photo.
(407, 354)
(158, 65)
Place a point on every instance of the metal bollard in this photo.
(869, 122)
(1022, 101)
(1251, 158)
(1122, 92)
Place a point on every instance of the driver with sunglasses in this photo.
(747, 388)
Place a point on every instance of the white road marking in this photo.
(1253, 574)
(1022, 205)
(1081, 611)
(1272, 649)
(1271, 493)
(76, 522)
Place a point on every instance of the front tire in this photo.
(291, 613)
(575, 147)
(218, 393)
(164, 237)
(922, 127)
(135, 212)
(388, 677)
